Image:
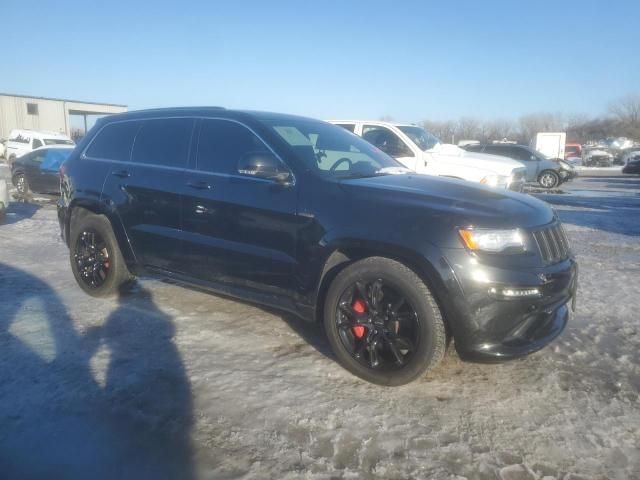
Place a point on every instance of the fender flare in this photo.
(119, 231)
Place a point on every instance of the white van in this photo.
(423, 153)
(24, 141)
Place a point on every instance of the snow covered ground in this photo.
(170, 382)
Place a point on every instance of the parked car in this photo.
(597, 157)
(632, 164)
(21, 142)
(628, 154)
(4, 198)
(301, 215)
(423, 153)
(37, 171)
(546, 172)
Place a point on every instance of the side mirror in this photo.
(263, 165)
(533, 157)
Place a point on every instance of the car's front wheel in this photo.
(383, 323)
(21, 184)
(549, 179)
(96, 260)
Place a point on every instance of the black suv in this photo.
(304, 216)
(547, 172)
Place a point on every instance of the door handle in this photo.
(199, 185)
(121, 173)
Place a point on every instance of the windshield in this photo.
(423, 139)
(332, 151)
(57, 141)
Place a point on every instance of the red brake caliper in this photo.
(358, 307)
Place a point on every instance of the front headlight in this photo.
(492, 241)
(496, 180)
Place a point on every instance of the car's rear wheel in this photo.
(383, 323)
(96, 260)
(549, 179)
(21, 184)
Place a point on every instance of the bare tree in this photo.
(627, 109)
(533, 123)
(626, 112)
(468, 128)
(445, 131)
(623, 120)
(498, 130)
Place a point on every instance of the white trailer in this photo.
(551, 144)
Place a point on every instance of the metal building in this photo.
(51, 114)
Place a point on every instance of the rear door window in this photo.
(222, 144)
(114, 141)
(163, 142)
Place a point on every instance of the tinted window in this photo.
(163, 142)
(114, 141)
(520, 153)
(495, 150)
(222, 144)
(36, 143)
(57, 141)
(347, 126)
(386, 140)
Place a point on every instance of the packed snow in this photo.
(171, 382)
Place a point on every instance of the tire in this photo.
(549, 179)
(21, 184)
(110, 272)
(429, 336)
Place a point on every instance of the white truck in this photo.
(423, 153)
(25, 141)
(551, 144)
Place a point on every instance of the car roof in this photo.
(209, 111)
(40, 133)
(499, 145)
(375, 122)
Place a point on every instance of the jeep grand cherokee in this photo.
(304, 216)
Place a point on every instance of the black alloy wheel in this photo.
(382, 322)
(377, 325)
(92, 259)
(21, 184)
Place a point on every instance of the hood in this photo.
(454, 201)
(496, 163)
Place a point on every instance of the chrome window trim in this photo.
(84, 155)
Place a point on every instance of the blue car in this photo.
(37, 171)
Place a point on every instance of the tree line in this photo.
(622, 119)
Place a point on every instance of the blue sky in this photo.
(411, 60)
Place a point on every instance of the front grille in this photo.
(552, 243)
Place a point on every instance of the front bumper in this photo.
(566, 175)
(490, 328)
